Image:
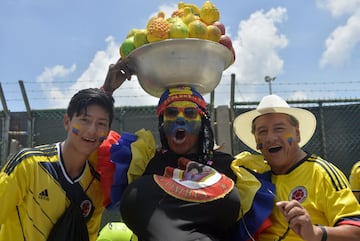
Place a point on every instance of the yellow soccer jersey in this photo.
(355, 179)
(322, 189)
(32, 198)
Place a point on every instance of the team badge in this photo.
(86, 207)
(299, 194)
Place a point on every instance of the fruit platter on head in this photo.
(188, 48)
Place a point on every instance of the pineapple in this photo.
(158, 28)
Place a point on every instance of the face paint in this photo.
(289, 138)
(187, 109)
(76, 129)
(259, 145)
(180, 115)
(189, 113)
(190, 127)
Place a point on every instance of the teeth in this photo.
(178, 141)
(89, 139)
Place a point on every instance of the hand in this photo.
(299, 220)
(116, 75)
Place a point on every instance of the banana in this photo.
(194, 7)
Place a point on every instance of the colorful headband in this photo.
(180, 94)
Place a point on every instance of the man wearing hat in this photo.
(313, 200)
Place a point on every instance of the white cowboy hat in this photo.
(274, 104)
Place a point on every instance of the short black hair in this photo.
(91, 96)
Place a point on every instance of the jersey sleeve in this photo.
(14, 179)
(337, 198)
(355, 176)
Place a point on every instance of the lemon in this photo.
(188, 16)
(197, 29)
(140, 38)
(178, 29)
(132, 32)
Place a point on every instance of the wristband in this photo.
(324, 232)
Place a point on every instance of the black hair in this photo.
(87, 97)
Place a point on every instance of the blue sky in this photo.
(59, 47)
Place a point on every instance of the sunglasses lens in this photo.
(190, 112)
(171, 112)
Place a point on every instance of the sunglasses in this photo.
(189, 112)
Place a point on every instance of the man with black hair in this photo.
(38, 185)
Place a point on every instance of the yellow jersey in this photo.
(32, 197)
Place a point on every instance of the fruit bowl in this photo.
(179, 62)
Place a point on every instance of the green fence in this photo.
(336, 137)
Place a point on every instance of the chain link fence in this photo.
(335, 139)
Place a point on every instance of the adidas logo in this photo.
(44, 195)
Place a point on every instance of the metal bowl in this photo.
(180, 62)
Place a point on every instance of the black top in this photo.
(155, 215)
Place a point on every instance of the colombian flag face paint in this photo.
(181, 120)
(179, 94)
(76, 129)
(289, 138)
(181, 107)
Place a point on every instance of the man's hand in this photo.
(116, 75)
(299, 220)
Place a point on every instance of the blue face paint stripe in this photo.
(190, 127)
(75, 131)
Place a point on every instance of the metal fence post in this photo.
(5, 128)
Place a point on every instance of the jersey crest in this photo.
(299, 194)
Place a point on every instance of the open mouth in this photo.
(89, 139)
(274, 149)
(180, 136)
